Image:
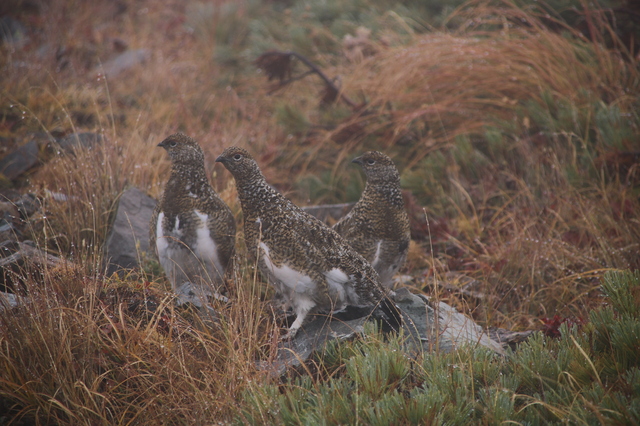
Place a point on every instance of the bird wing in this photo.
(358, 233)
(222, 227)
(345, 223)
(153, 223)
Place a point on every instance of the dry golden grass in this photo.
(87, 351)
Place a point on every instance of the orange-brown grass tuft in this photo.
(445, 85)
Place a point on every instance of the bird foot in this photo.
(219, 297)
(289, 335)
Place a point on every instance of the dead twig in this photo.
(277, 65)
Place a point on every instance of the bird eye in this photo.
(371, 162)
(172, 144)
(237, 157)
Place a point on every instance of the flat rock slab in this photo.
(129, 235)
(311, 338)
(457, 329)
(427, 327)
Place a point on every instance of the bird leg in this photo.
(302, 310)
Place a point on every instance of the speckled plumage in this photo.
(192, 229)
(310, 265)
(378, 226)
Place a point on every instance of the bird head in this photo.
(378, 167)
(183, 149)
(239, 162)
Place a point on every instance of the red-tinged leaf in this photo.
(622, 209)
(618, 161)
(551, 326)
(497, 266)
(578, 239)
(106, 329)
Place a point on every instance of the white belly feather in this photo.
(173, 253)
(291, 278)
(206, 248)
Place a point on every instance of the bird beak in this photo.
(221, 159)
(357, 160)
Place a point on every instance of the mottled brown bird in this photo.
(378, 226)
(192, 229)
(310, 265)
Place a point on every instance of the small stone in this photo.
(124, 62)
(86, 140)
(7, 300)
(12, 32)
(8, 211)
(5, 145)
(8, 232)
(119, 45)
(27, 205)
(8, 222)
(19, 161)
(329, 213)
(129, 235)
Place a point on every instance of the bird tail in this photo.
(390, 315)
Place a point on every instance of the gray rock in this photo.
(457, 329)
(8, 300)
(20, 160)
(12, 32)
(27, 205)
(8, 232)
(312, 338)
(86, 140)
(8, 211)
(8, 219)
(427, 327)
(430, 326)
(5, 143)
(325, 211)
(129, 235)
(123, 62)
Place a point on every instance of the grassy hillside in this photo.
(515, 129)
